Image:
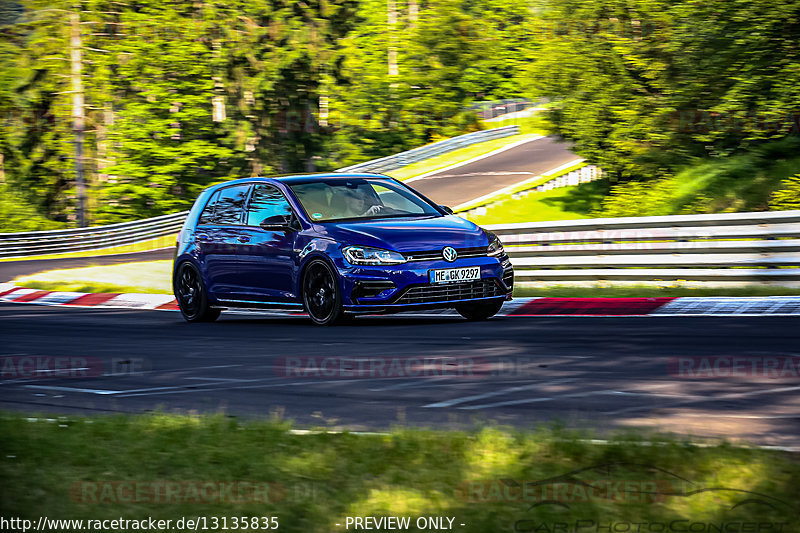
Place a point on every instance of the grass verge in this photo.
(152, 277)
(566, 203)
(94, 468)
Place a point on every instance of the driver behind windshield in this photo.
(339, 199)
(358, 202)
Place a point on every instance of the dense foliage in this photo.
(645, 86)
(179, 95)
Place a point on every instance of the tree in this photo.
(645, 85)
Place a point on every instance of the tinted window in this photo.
(207, 216)
(230, 205)
(395, 200)
(267, 201)
(354, 198)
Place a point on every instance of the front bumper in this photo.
(407, 286)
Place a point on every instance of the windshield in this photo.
(359, 198)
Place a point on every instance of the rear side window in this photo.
(207, 216)
(230, 205)
(267, 201)
(226, 206)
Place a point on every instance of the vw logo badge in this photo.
(449, 253)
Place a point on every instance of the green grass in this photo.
(152, 277)
(566, 203)
(319, 479)
(456, 156)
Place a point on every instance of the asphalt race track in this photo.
(462, 184)
(438, 372)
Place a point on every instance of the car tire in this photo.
(191, 295)
(479, 311)
(322, 297)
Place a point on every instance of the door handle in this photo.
(244, 238)
(202, 237)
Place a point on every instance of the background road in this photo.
(465, 183)
(586, 372)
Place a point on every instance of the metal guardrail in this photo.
(497, 108)
(729, 248)
(94, 238)
(392, 162)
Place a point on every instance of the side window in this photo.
(230, 204)
(267, 201)
(207, 216)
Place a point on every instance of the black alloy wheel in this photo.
(321, 295)
(191, 295)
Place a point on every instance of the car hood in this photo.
(408, 234)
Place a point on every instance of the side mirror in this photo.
(446, 209)
(277, 223)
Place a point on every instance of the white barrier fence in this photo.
(723, 249)
(94, 238)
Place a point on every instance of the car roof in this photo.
(288, 179)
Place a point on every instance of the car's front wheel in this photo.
(191, 296)
(321, 294)
(479, 311)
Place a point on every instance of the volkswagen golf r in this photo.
(334, 245)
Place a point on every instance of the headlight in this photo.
(364, 255)
(495, 246)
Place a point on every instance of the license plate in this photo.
(455, 274)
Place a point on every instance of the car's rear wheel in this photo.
(321, 294)
(191, 295)
(479, 311)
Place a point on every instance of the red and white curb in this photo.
(725, 306)
(11, 293)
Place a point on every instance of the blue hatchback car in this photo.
(334, 245)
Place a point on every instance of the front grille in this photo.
(451, 292)
(433, 255)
